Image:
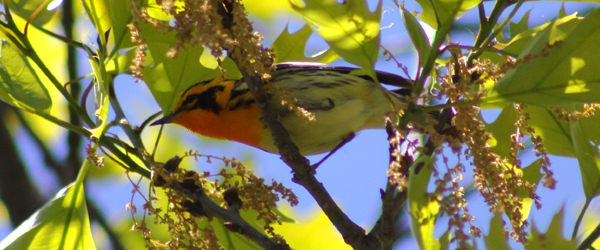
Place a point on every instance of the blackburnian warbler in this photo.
(339, 103)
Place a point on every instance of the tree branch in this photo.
(303, 172)
(212, 209)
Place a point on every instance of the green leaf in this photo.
(532, 175)
(556, 134)
(120, 16)
(497, 238)
(25, 8)
(590, 126)
(417, 34)
(561, 28)
(562, 13)
(521, 26)
(423, 208)
(565, 75)
(101, 92)
(553, 238)
(440, 14)
(98, 13)
(589, 159)
(350, 29)
(62, 223)
(122, 63)
(290, 47)
(315, 232)
(501, 129)
(155, 10)
(269, 12)
(111, 15)
(167, 78)
(19, 84)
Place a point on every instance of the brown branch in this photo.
(232, 217)
(303, 172)
(392, 199)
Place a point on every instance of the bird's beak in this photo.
(166, 119)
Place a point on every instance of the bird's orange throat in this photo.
(241, 125)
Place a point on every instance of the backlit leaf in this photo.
(62, 223)
(589, 159)
(167, 78)
(19, 84)
(438, 13)
(25, 8)
(424, 209)
(350, 29)
(561, 74)
(290, 47)
(497, 238)
(553, 238)
(417, 34)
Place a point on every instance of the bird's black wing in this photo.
(384, 77)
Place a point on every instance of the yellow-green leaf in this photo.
(521, 26)
(62, 223)
(497, 238)
(501, 129)
(290, 47)
(350, 29)
(315, 232)
(98, 13)
(275, 8)
(563, 74)
(25, 8)
(556, 134)
(553, 238)
(559, 29)
(19, 84)
(417, 34)
(168, 77)
(589, 159)
(423, 208)
(111, 15)
(438, 13)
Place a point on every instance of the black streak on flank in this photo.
(206, 100)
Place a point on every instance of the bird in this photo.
(339, 104)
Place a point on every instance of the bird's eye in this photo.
(189, 101)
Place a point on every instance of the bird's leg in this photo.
(345, 140)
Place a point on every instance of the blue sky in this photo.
(354, 174)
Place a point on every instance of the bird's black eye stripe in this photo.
(239, 90)
(242, 103)
(206, 100)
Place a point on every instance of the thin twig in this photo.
(580, 218)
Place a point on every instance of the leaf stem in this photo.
(109, 144)
(580, 218)
(487, 33)
(428, 109)
(587, 243)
